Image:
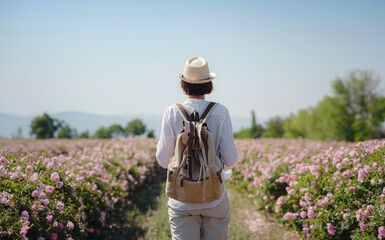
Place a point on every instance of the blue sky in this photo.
(122, 57)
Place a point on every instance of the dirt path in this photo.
(258, 226)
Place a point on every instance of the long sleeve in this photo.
(166, 144)
(227, 149)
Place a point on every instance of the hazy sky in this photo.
(121, 57)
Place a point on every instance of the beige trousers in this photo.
(207, 224)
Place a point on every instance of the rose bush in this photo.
(325, 190)
(70, 189)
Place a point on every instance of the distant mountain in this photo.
(9, 124)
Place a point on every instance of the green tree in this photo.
(331, 120)
(84, 134)
(354, 112)
(256, 129)
(243, 134)
(364, 101)
(289, 128)
(66, 132)
(102, 133)
(298, 125)
(274, 128)
(135, 127)
(44, 126)
(151, 134)
(116, 131)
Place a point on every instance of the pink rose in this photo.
(55, 177)
(313, 185)
(362, 226)
(24, 230)
(312, 227)
(288, 216)
(361, 175)
(53, 236)
(35, 193)
(291, 191)
(381, 231)
(339, 166)
(49, 189)
(34, 177)
(59, 206)
(70, 225)
(331, 229)
(310, 212)
(307, 197)
(25, 215)
(45, 201)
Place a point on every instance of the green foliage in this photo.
(274, 128)
(66, 132)
(331, 120)
(134, 172)
(355, 112)
(116, 131)
(243, 134)
(363, 101)
(102, 133)
(44, 126)
(256, 129)
(84, 134)
(135, 127)
(151, 134)
(290, 131)
(299, 125)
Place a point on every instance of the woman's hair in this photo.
(196, 89)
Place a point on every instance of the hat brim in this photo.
(200, 81)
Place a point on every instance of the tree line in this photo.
(45, 126)
(354, 112)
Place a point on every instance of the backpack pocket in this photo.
(171, 184)
(217, 183)
(195, 192)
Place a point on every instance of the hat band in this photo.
(196, 80)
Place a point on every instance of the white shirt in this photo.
(219, 124)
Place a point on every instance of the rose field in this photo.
(70, 189)
(84, 189)
(324, 190)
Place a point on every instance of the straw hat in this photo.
(196, 71)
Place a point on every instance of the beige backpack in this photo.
(194, 172)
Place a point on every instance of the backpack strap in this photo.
(183, 111)
(206, 113)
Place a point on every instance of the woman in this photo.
(198, 220)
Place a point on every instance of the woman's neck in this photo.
(196, 97)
